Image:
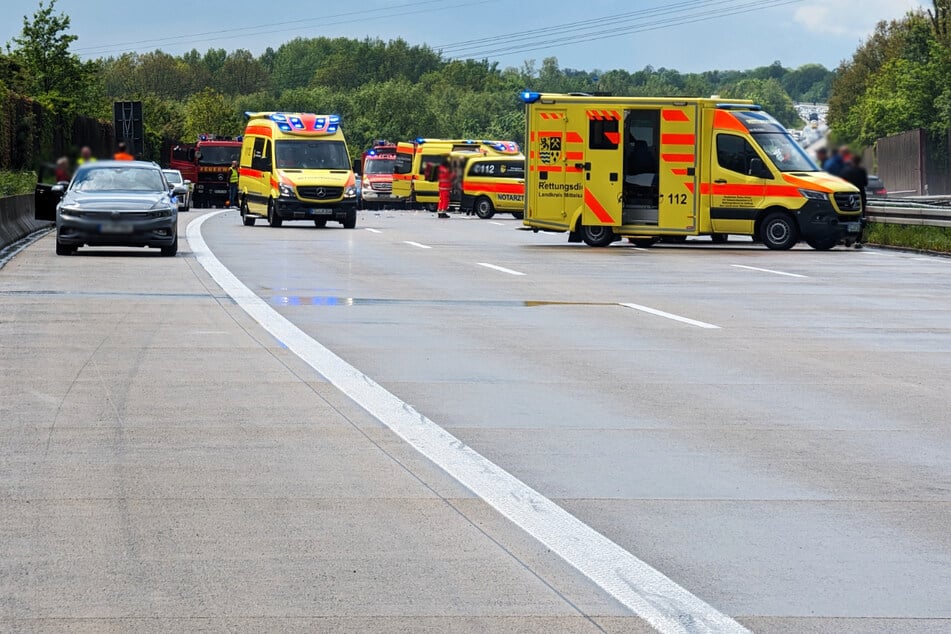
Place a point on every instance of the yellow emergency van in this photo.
(602, 168)
(295, 166)
(491, 183)
(415, 157)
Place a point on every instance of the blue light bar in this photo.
(335, 118)
(296, 122)
(420, 140)
(528, 96)
(284, 127)
(277, 117)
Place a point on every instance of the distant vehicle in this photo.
(487, 184)
(182, 188)
(876, 187)
(377, 172)
(111, 203)
(206, 164)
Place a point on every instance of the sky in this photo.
(686, 35)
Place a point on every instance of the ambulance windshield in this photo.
(784, 152)
(379, 166)
(311, 154)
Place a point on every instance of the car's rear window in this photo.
(102, 179)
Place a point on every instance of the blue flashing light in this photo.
(371, 153)
(284, 127)
(277, 117)
(296, 122)
(202, 137)
(335, 118)
(331, 129)
(248, 114)
(528, 96)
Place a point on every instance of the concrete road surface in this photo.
(769, 431)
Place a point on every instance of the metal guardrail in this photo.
(931, 213)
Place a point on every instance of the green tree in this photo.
(210, 112)
(768, 93)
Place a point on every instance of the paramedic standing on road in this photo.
(445, 184)
(233, 185)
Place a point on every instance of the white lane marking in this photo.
(499, 268)
(660, 313)
(756, 268)
(372, 230)
(417, 244)
(492, 222)
(658, 600)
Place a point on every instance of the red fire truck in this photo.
(377, 176)
(206, 164)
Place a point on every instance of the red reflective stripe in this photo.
(613, 137)
(574, 170)
(778, 191)
(573, 137)
(497, 188)
(247, 171)
(274, 182)
(679, 158)
(549, 168)
(689, 187)
(549, 133)
(596, 208)
(675, 115)
(678, 139)
(574, 156)
(261, 130)
(543, 115)
(724, 120)
(680, 171)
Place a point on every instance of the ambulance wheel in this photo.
(597, 235)
(351, 221)
(246, 218)
(779, 231)
(483, 208)
(720, 238)
(320, 224)
(519, 215)
(272, 218)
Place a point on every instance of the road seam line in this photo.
(660, 601)
(756, 268)
(661, 313)
(416, 244)
(499, 268)
(372, 230)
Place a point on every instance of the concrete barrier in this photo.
(16, 219)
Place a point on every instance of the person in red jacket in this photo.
(122, 153)
(444, 176)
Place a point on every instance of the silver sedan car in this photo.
(113, 203)
(182, 188)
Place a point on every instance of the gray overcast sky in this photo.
(795, 32)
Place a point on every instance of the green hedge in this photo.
(14, 183)
(910, 236)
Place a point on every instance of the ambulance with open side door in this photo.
(602, 168)
(492, 183)
(413, 158)
(295, 166)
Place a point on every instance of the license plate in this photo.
(115, 227)
(853, 227)
(321, 212)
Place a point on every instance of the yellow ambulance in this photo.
(413, 159)
(493, 183)
(602, 168)
(295, 166)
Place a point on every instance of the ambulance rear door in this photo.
(677, 193)
(403, 170)
(601, 162)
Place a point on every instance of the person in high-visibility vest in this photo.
(85, 156)
(233, 185)
(122, 153)
(444, 177)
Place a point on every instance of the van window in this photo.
(734, 153)
(430, 159)
(603, 134)
(403, 164)
(261, 155)
(180, 153)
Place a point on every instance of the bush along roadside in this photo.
(910, 237)
(15, 183)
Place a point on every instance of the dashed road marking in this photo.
(661, 313)
(756, 268)
(644, 590)
(499, 268)
(417, 244)
(492, 222)
(372, 230)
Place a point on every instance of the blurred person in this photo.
(857, 175)
(822, 155)
(834, 164)
(62, 173)
(444, 177)
(233, 184)
(85, 156)
(122, 153)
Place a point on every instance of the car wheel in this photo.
(171, 249)
(484, 208)
(272, 218)
(644, 243)
(779, 231)
(720, 238)
(597, 235)
(351, 221)
(320, 223)
(519, 215)
(246, 217)
(64, 249)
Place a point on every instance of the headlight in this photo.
(351, 192)
(287, 190)
(811, 194)
(74, 212)
(161, 213)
